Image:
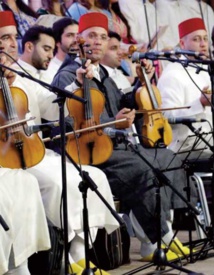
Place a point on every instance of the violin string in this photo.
(9, 106)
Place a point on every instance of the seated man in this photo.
(131, 179)
(182, 86)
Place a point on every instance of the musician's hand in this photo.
(206, 99)
(128, 114)
(7, 73)
(87, 71)
(149, 68)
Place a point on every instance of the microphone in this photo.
(185, 120)
(40, 127)
(136, 56)
(178, 51)
(114, 133)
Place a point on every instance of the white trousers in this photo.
(48, 173)
(22, 209)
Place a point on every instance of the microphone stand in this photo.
(86, 183)
(159, 257)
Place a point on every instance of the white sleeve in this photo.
(174, 94)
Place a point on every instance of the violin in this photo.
(92, 146)
(156, 130)
(17, 149)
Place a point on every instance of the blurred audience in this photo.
(80, 7)
(51, 7)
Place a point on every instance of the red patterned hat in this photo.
(7, 19)
(190, 25)
(93, 19)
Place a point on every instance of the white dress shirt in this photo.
(119, 78)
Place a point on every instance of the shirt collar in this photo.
(29, 68)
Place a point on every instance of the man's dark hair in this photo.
(33, 34)
(114, 35)
(60, 25)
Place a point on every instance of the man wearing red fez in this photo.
(8, 31)
(130, 178)
(24, 215)
(181, 87)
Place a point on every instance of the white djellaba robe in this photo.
(48, 171)
(53, 67)
(22, 209)
(178, 90)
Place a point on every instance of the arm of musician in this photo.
(78, 81)
(206, 99)
(175, 93)
(7, 73)
(149, 68)
(88, 71)
(128, 114)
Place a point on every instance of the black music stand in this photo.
(189, 170)
(188, 164)
(159, 258)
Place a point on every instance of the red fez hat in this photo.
(190, 25)
(7, 19)
(93, 19)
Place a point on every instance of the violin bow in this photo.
(102, 125)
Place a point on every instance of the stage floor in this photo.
(205, 266)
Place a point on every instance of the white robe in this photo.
(178, 90)
(119, 78)
(48, 171)
(22, 209)
(53, 67)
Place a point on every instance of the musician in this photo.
(111, 61)
(182, 86)
(38, 46)
(131, 180)
(65, 31)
